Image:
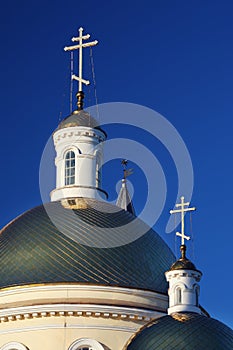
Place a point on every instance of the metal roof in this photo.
(80, 118)
(184, 331)
(183, 262)
(35, 250)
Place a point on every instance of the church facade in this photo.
(62, 288)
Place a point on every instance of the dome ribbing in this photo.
(34, 250)
(184, 331)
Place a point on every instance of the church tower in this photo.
(78, 143)
(183, 277)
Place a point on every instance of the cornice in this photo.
(78, 310)
(78, 131)
(47, 300)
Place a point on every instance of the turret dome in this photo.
(183, 262)
(80, 118)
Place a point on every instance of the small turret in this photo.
(78, 141)
(183, 277)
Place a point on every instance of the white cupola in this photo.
(78, 142)
(183, 277)
(183, 292)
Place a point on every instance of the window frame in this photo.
(178, 295)
(197, 291)
(14, 346)
(91, 344)
(70, 170)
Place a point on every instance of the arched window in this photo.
(86, 344)
(196, 295)
(178, 296)
(98, 175)
(70, 168)
(13, 346)
(98, 169)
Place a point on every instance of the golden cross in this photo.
(80, 46)
(182, 210)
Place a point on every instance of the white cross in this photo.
(80, 46)
(182, 210)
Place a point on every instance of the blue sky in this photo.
(173, 57)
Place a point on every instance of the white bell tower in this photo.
(79, 145)
(183, 277)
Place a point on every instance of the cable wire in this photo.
(66, 87)
(192, 236)
(94, 81)
(71, 80)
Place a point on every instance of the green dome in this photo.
(184, 331)
(35, 250)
